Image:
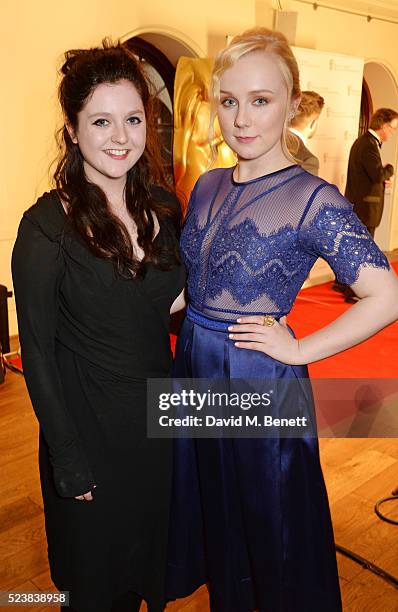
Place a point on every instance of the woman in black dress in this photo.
(96, 274)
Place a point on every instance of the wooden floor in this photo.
(358, 472)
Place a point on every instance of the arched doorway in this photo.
(159, 54)
(383, 92)
(366, 108)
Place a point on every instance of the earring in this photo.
(291, 115)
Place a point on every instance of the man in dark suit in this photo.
(367, 177)
(302, 127)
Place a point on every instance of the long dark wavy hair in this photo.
(88, 210)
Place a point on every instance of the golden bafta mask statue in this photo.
(192, 151)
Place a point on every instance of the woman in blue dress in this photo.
(250, 516)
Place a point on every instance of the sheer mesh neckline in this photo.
(260, 178)
(248, 248)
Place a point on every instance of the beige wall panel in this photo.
(327, 30)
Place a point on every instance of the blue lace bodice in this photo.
(249, 247)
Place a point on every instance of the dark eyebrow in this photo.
(255, 91)
(100, 114)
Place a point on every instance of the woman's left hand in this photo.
(274, 340)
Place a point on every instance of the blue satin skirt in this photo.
(250, 517)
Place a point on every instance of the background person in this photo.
(303, 126)
(367, 177)
(96, 271)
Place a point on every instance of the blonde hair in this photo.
(258, 39)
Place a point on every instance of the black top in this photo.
(65, 294)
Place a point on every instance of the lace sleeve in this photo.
(330, 229)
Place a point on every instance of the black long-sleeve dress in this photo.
(90, 339)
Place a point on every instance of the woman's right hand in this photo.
(85, 497)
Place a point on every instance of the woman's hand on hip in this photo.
(266, 334)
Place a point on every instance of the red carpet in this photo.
(14, 363)
(317, 306)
